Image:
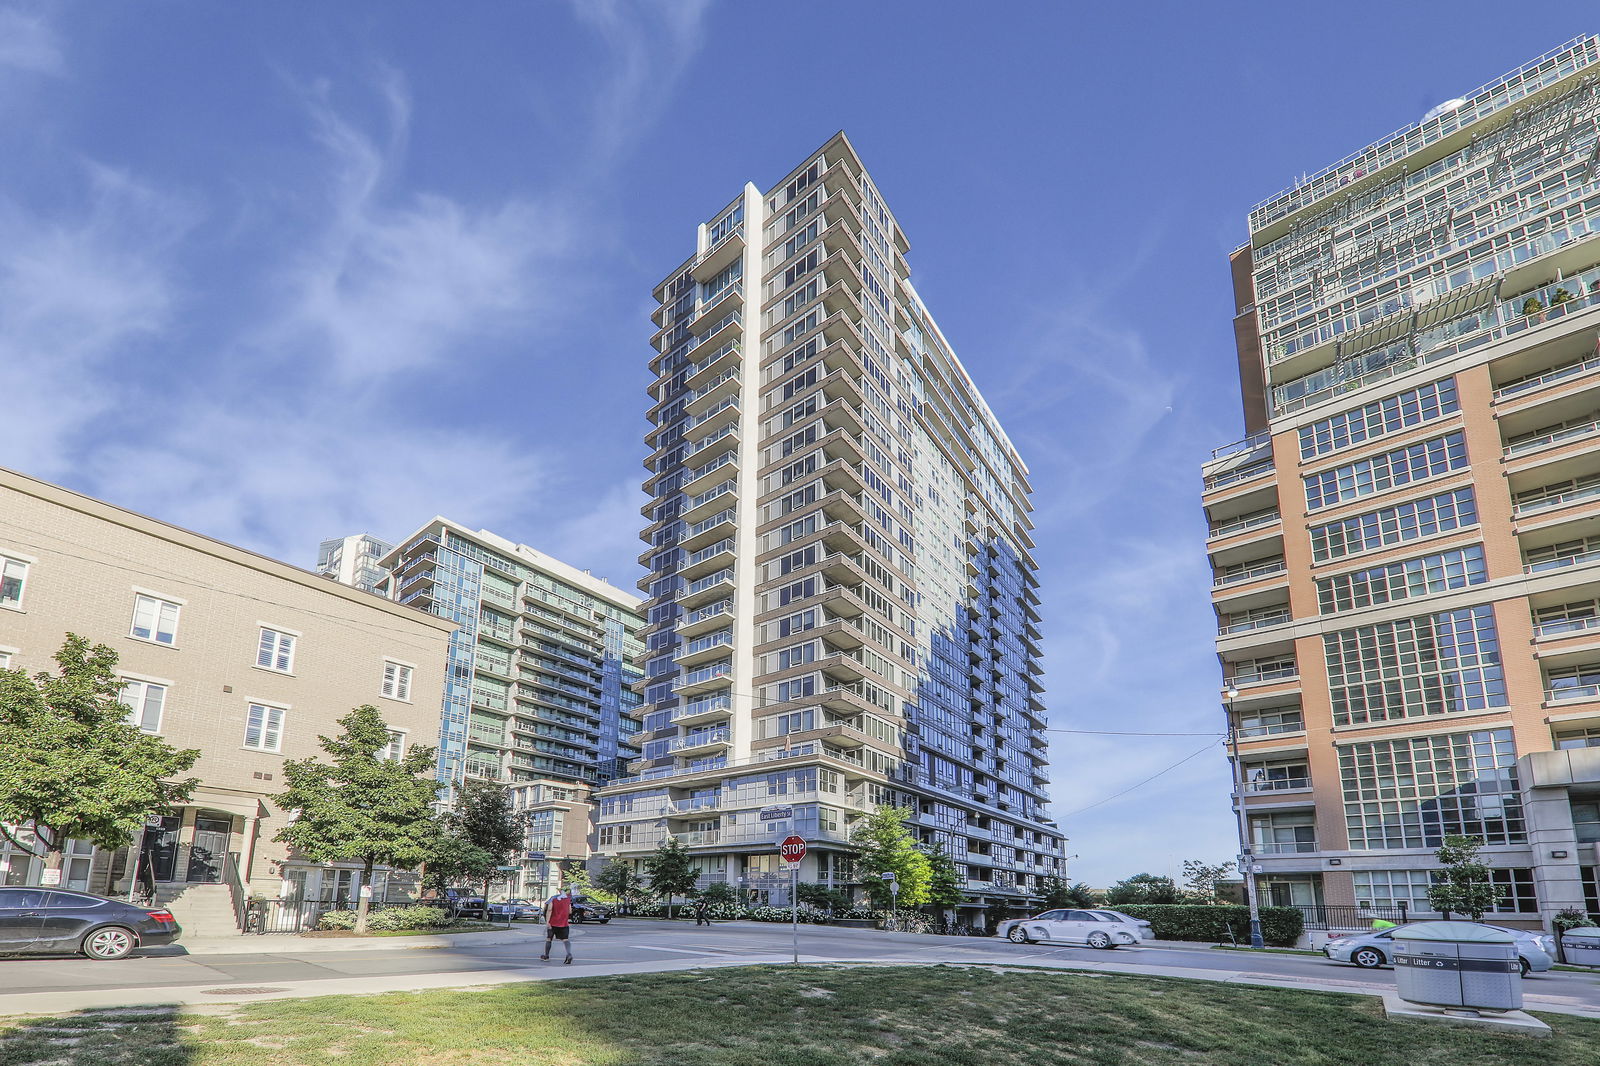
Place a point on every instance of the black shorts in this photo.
(555, 932)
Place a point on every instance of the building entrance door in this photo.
(210, 848)
(161, 848)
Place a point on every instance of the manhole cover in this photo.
(240, 990)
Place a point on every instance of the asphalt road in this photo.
(633, 941)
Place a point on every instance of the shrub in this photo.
(390, 919)
(782, 914)
(337, 920)
(1280, 926)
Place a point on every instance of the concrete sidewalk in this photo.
(58, 1002)
(291, 944)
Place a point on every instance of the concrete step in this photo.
(202, 910)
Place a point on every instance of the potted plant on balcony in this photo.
(1559, 297)
(1532, 306)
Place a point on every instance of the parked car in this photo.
(590, 912)
(514, 909)
(1369, 950)
(460, 902)
(1098, 929)
(55, 921)
(1146, 930)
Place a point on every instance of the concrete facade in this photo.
(843, 606)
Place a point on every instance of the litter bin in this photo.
(1582, 946)
(1457, 964)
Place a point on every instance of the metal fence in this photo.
(1327, 917)
(298, 915)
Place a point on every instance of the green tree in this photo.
(454, 860)
(722, 892)
(621, 881)
(1142, 888)
(883, 845)
(671, 871)
(944, 880)
(74, 765)
(822, 897)
(1056, 892)
(1200, 879)
(361, 807)
(1464, 885)
(1079, 894)
(483, 817)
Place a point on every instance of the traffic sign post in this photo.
(792, 850)
(894, 893)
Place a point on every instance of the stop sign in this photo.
(793, 849)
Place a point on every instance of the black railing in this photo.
(297, 915)
(1322, 916)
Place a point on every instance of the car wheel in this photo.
(1525, 966)
(108, 944)
(603, 921)
(1098, 939)
(1367, 958)
(1018, 935)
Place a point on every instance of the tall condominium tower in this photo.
(1407, 547)
(354, 560)
(842, 605)
(540, 686)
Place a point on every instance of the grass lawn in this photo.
(807, 1016)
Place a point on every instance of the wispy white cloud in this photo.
(80, 291)
(394, 282)
(604, 537)
(29, 43)
(650, 44)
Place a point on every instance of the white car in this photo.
(1098, 929)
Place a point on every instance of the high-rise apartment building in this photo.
(1407, 547)
(354, 560)
(843, 610)
(542, 662)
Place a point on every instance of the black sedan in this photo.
(40, 921)
(588, 912)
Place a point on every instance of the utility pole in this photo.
(1246, 856)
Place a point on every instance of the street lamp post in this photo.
(1246, 857)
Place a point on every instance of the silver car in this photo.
(1098, 929)
(1535, 950)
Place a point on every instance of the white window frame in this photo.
(280, 633)
(268, 706)
(137, 709)
(6, 655)
(8, 559)
(396, 749)
(161, 600)
(398, 687)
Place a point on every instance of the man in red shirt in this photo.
(558, 916)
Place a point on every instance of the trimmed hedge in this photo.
(1280, 926)
(391, 919)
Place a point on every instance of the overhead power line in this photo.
(1141, 784)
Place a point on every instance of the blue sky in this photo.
(279, 272)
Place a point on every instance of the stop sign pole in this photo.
(792, 850)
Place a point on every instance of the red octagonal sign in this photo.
(793, 849)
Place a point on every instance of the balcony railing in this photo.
(1271, 673)
(1254, 623)
(1559, 626)
(1560, 373)
(699, 740)
(1239, 525)
(1559, 436)
(1293, 847)
(1277, 566)
(1560, 499)
(1560, 561)
(1248, 444)
(1276, 784)
(1243, 473)
(1570, 693)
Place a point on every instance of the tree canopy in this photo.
(1142, 888)
(361, 807)
(480, 831)
(945, 888)
(74, 765)
(671, 871)
(883, 844)
(1464, 885)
